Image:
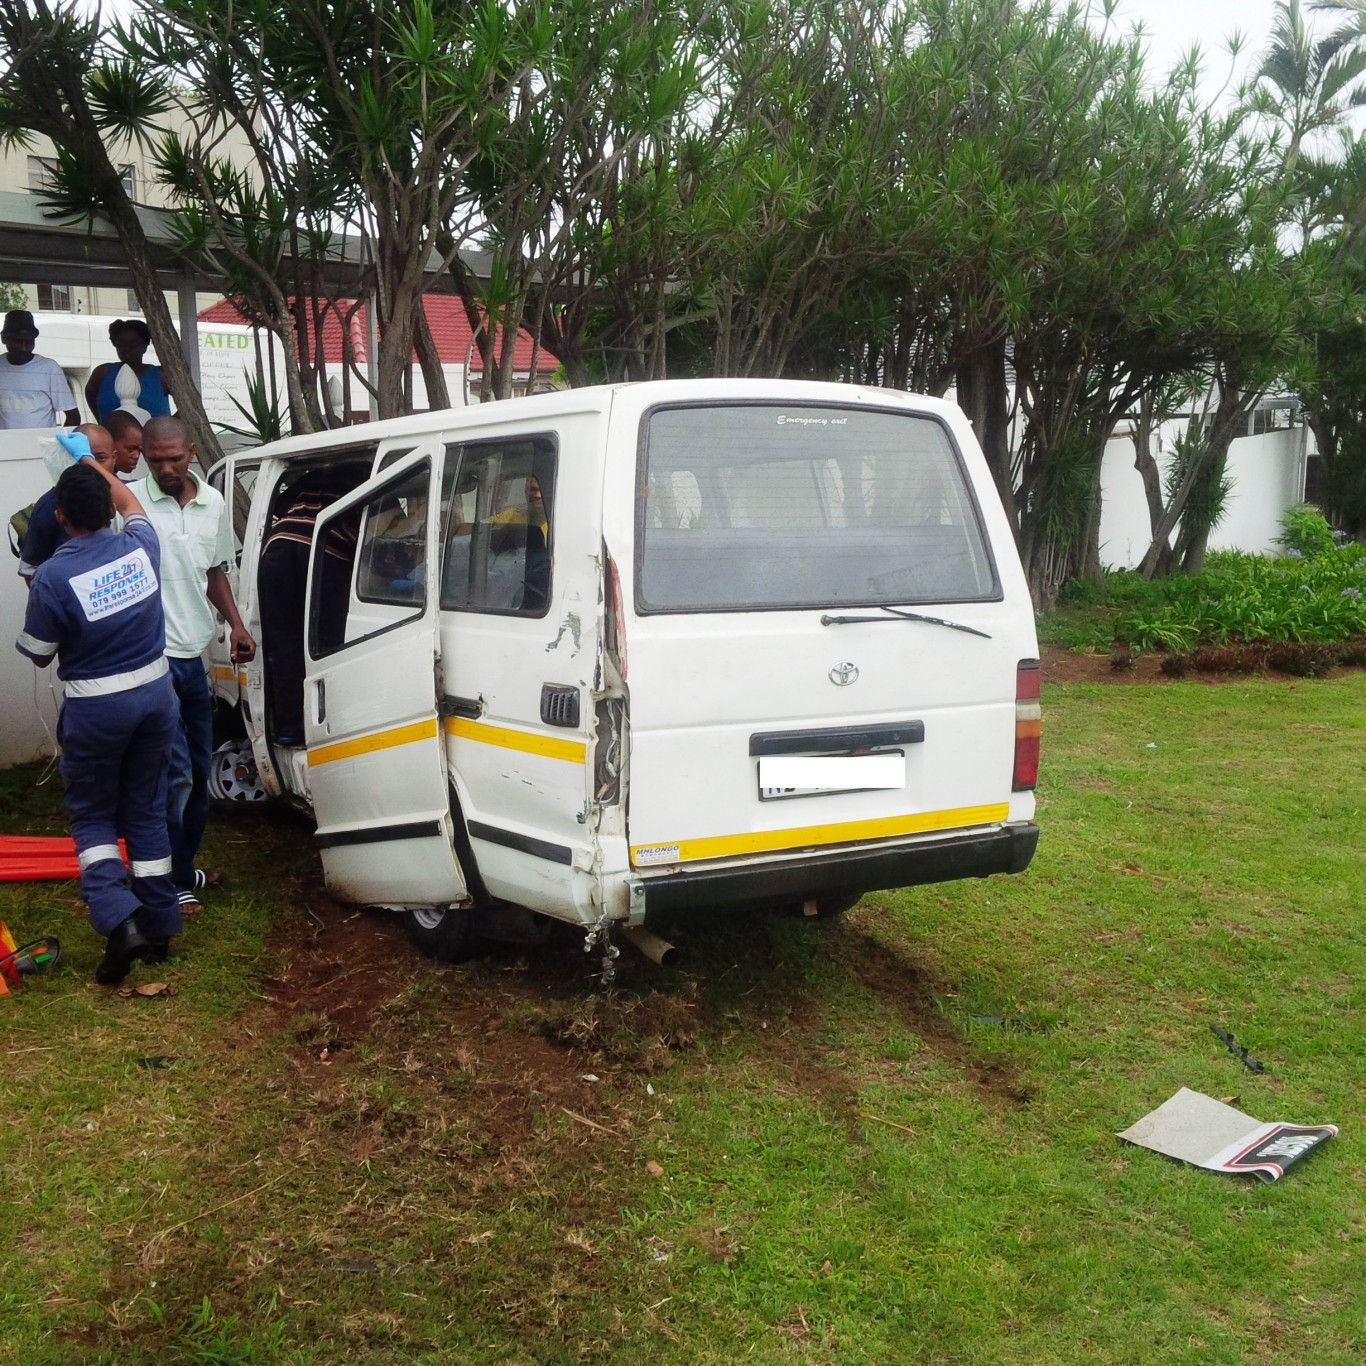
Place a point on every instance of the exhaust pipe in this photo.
(657, 950)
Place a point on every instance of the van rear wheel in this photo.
(445, 933)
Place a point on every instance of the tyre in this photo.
(443, 933)
(232, 774)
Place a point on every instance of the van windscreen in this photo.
(755, 506)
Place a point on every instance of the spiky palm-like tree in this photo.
(59, 77)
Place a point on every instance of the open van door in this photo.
(376, 762)
(234, 478)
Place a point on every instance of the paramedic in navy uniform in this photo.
(96, 605)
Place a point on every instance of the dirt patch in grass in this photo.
(527, 1038)
(349, 979)
(337, 962)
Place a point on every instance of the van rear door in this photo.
(816, 581)
(376, 761)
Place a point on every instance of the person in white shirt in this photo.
(33, 390)
(191, 520)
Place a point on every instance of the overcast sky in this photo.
(1173, 25)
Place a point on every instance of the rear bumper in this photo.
(1007, 849)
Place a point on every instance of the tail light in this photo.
(1027, 724)
(616, 619)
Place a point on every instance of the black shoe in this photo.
(124, 947)
(159, 951)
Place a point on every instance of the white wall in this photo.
(455, 386)
(1268, 477)
(27, 703)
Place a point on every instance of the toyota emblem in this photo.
(842, 675)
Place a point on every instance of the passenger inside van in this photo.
(503, 563)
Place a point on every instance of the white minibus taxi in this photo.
(618, 650)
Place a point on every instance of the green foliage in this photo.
(1248, 598)
(1237, 598)
(265, 419)
(1305, 531)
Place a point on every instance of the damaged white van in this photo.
(611, 651)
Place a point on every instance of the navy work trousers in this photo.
(187, 795)
(116, 752)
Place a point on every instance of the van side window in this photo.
(498, 511)
(393, 543)
(373, 561)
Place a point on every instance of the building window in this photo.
(41, 174)
(56, 298)
(132, 305)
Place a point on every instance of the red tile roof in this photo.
(445, 316)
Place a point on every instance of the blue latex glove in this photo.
(76, 444)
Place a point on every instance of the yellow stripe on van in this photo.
(223, 672)
(368, 744)
(844, 832)
(548, 746)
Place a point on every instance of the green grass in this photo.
(884, 1139)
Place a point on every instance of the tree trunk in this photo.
(1089, 567)
(1146, 465)
(983, 396)
(433, 376)
(395, 355)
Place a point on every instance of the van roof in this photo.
(600, 398)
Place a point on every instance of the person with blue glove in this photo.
(44, 533)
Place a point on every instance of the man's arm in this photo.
(63, 391)
(242, 646)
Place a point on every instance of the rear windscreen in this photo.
(764, 506)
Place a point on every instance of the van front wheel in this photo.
(442, 932)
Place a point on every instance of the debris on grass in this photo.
(1206, 1133)
(148, 989)
(1252, 1064)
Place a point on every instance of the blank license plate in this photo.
(783, 776)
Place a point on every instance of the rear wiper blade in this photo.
(898, 614)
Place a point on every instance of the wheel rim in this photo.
(233, 776)
(429, 917)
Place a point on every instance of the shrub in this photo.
(1082, 593)
(1305, 532)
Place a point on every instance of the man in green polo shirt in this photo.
(191, 520)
